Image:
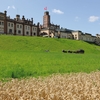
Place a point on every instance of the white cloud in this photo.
(57, 11)
(77, 18)
(8, 7)
(93, 18)
(13, 7)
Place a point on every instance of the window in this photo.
(11, 25)
(20, 26)
(0, 23)
(75, 38)
(75, 35)
(28, 28)
(10, 30)
(33, 28)
(17, 26)
(19, 32)
(8, 24)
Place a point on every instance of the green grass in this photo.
(22, 56)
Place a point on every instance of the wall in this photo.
(88, 38)
(34, 31)
(27, 30)
(10, 27)
(77, 35)
(66, 35)
(19, 29)
(1, 26)
(97, 41)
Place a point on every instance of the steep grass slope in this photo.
(22, 56)
(25, 43)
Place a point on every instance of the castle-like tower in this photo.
(46, 19)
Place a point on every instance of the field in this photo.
(25, 64)
(27, 56)
(79, 86)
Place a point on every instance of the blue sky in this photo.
(81, 15)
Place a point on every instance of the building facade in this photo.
(47, 28)
(55, 31)
(17, 26)
(26, 27)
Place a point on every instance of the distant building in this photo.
(47, 28)
(17, 26)
(26, 27)
(55, 31)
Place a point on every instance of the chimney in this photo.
(38, 24)
(23, 18)
(17, 17)
(5, 12)
(32, 20)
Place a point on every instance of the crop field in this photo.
(80, 86)
(22, 57)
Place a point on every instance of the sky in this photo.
(83, 15)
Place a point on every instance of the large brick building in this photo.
(17, 26)
(26, 27)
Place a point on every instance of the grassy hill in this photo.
(23, 56)
(21, 43)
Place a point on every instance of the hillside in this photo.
(24, 43)
(22, 56)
